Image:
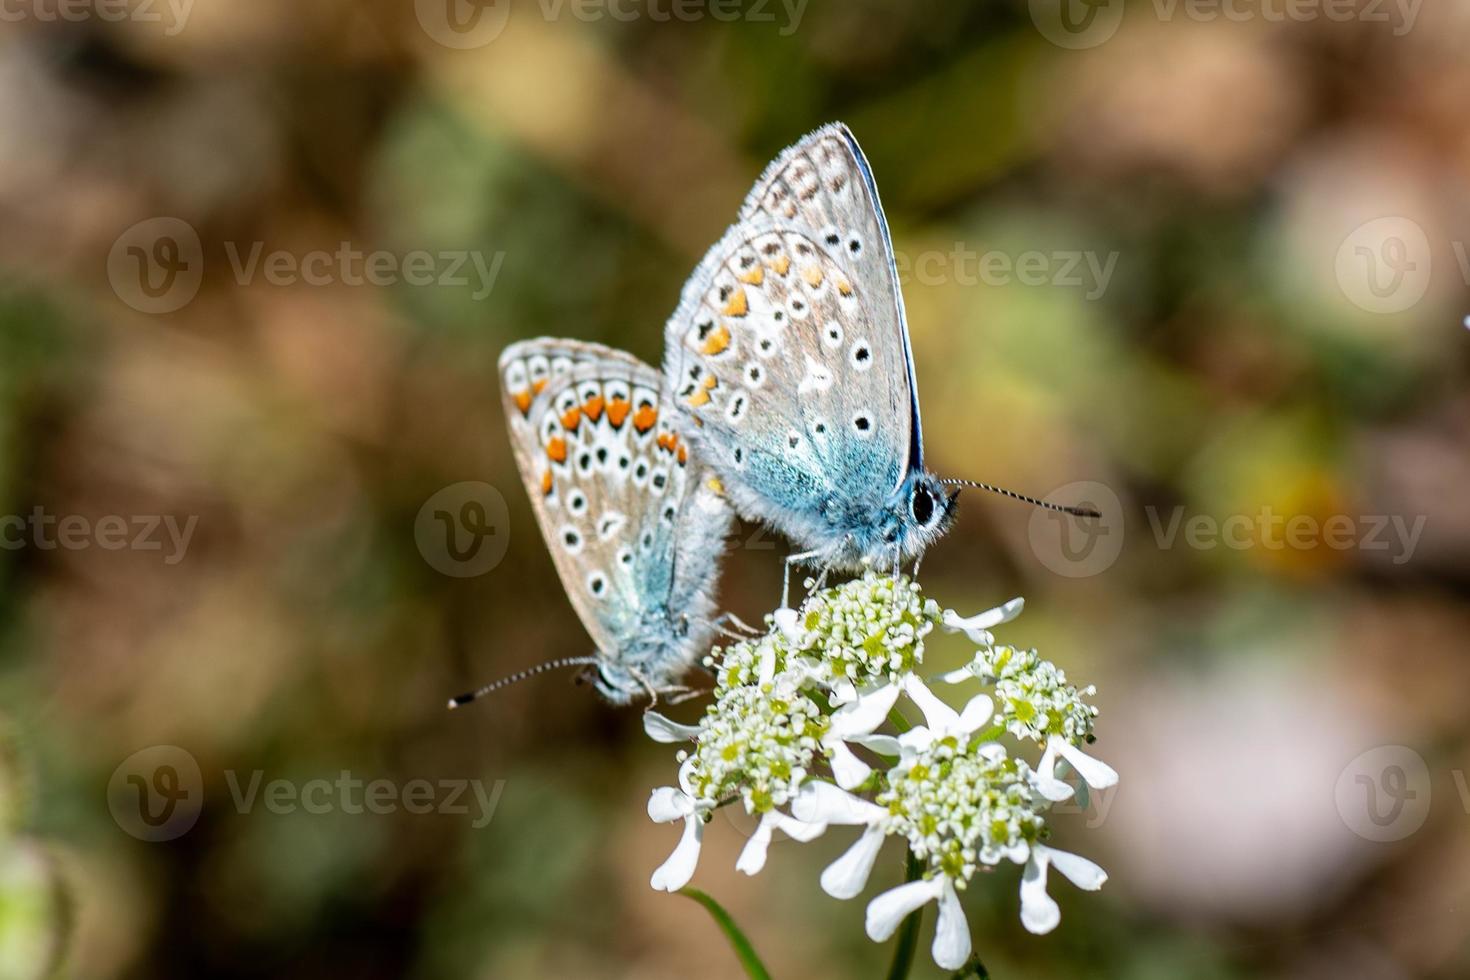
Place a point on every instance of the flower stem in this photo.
(972, 968)
(908, 932)
(744, 951)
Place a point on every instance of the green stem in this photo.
(745, 952)
(908, 932)
(972, 968)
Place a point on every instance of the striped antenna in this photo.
(1074, 511)
(519, 676)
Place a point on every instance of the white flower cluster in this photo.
(793, 709)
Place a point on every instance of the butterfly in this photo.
(789, 361)
(635, 524)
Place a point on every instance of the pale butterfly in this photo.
(634, 523)
(788, 358)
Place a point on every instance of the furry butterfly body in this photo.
(628, 513)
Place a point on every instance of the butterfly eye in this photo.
(923, 506)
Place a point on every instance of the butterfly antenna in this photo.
(1075, 511)
(519, 676)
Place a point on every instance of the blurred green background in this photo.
(1279, 205)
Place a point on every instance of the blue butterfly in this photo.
(635, 525)
(789, 359)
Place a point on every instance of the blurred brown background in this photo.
(1215, 267)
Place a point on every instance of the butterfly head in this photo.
(921, 511)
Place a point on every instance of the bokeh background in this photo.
(1282, 202)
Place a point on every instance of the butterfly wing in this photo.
(788, 354)
(633, 531)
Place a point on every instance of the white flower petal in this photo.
(788, 623)
(941, 718)
(976, 713)
(848, 875)
(1052, 789)
(675, 873)
(661, 729)
(798, 830)
(821, 802)
(915, 740)
(951, 933)
(887, 910)
(766, 671)
(960, 675)
(1097, 774)
(847, 769)
(866, 713)
(1077, 869)
(844, 691)
(881, 744)
(667, 804)
(976, 627)
(1039, 914)
(753, 855)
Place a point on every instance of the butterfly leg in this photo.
(678, 695)
(786, 576)
(730, 617)
(652, 691)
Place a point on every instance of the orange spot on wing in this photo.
(523, 400)
(719, 340)
(754, 277)
(617, 411)
(593, 407)
(572, 419)
(683, 454)
(546, 484)
(738, 305)
(667, 441)
(539, 385)
(781, 265)
(644, 418)
(556, 449)
(813, 276)
(844, 287)
(700, 397)
(710, 381)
